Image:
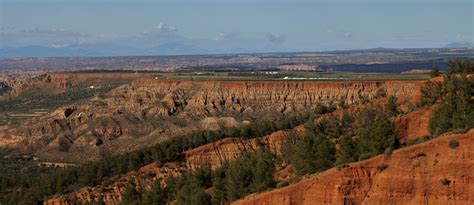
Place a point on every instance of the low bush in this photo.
(445, 181)
(453, 144)
(381, 167)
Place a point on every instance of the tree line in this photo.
(34, 189)
(453, 97)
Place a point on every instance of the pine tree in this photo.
(192, 193)
(130, 195)
(391, 106)
(346, 120)
(156, 195)
(377, 138)
(435, 72)
(310, 153)
(347, 151)
(219, 191)
(263, 170)
(464, 113)
(238, 179)
(100, 201)
(431, 92)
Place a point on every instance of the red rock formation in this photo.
(112, 189)
(427, 173)
(228, 149)
(128, 116)
(413, 125)
(211, 154)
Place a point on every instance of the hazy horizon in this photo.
(180, 27)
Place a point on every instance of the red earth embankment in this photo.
(427, 173)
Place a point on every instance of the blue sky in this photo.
(207, 26)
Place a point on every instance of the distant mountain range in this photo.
(101, 50)
(459, 45)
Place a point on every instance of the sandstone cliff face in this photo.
(215, 154)
(413, 125)
(148, 110)
(427, 173)
(208, 155)
(112, 189)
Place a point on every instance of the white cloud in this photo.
(159, 29)
(275, 38)
(227, 36)
(158, 39)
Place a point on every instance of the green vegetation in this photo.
(47, 98)
(252, 172)
(35, 188)
(130, 195)
(309, 153)
(380, 93)
(376, 138)
(453, 144)
(391, 107)
(156, 195)
(382, 167)
(360, 136)
(445, 181)
(365, 134)
(435, 72)
(430, 93)
(456, 110)
(324, 76)
(13, 169)
(420, 154)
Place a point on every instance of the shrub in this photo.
(341, 166)
(309, 153)
(365, 156)
(445, 181)
(376, 138)
(419, 154)
(453, 144)
(380, 93)
(364, 99)
(281, 184)
(435, 72)
(391, 106)
(382, 167)
(388, 151)
(431, 92)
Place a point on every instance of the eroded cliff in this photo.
(149, 110)
(427, 173)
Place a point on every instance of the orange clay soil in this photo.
(427, 173)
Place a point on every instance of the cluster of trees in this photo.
(33, 189)
(367, 133)
(455, 96)
(251, 172)
(360, 136)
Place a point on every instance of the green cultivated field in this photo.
(299, 75)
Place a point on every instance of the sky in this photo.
(140, 27)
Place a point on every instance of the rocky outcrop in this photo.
(111, 190)
(215, 154)
(427, 173)
(148, 111)
(414, 124)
